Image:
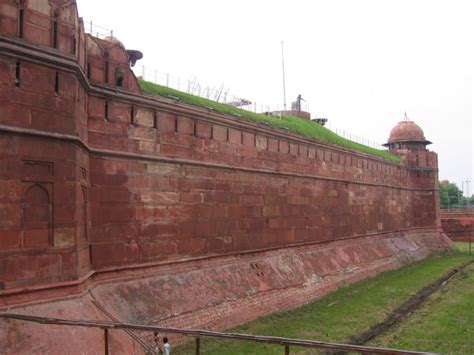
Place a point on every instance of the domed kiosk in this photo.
(406, 135)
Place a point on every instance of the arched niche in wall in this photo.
(36, 216)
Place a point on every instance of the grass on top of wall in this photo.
(296, 125)
(351, 310)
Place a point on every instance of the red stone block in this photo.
(37, 237)
(235, 136)
(9, 239)
(37, 35)
(320, 154)
(159, 249)
(303, 150)
(12, 114)
(284, 147)
(256, 200)
(192, 197)
(219, 244)
(273, 145)
(216, 197)
(248, 139)
(10, 216)
(155, 230)
(261, 142)
(29, 267)
(185, 125)
(9, 25)
(114, 254)
(294, 149)
(166, 122)
(114, 231)
(96, 107)
(84, 259)
(197, 228)
(203, 130)
(219, 133)
(254, 224)
(178, 139)
(195, 246)
(38, 19)
(176, 150)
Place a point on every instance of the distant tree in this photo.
(451, 196)
(470, 200)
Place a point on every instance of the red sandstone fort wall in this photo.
(112, 200)
(458, 223)
(95, 176)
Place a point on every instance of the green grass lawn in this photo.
(343, 313)
(445, 323)
(297, 125)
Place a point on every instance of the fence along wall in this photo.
(96, 176)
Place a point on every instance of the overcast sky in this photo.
(360, 63)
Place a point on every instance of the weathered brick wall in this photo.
(213, 293)
(458, 223)
(209, 187)
(123, 179)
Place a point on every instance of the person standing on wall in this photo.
(166, 346)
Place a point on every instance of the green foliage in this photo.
(341, 314)
(293, 124)
(451, 196)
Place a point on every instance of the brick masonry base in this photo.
(458, 224)
(213, 294)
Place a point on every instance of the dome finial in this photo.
(406, 117)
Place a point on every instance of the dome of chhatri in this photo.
(407, 131)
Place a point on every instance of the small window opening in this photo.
(106, 72)
(55, 32)
(74, 45)
(194, 129)
(17, 74)
(132, 115)
(155, 120)
(176, 124)
(88, 70)
(21, 22)
(106, 110)
(119, 76)
(56, 83)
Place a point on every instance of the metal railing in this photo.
(218, 93)
(96, 30)
(198, 334)
(221, 94)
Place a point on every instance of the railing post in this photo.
(287, 350)
(106, 341)
(470, 232)
(198, 346)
